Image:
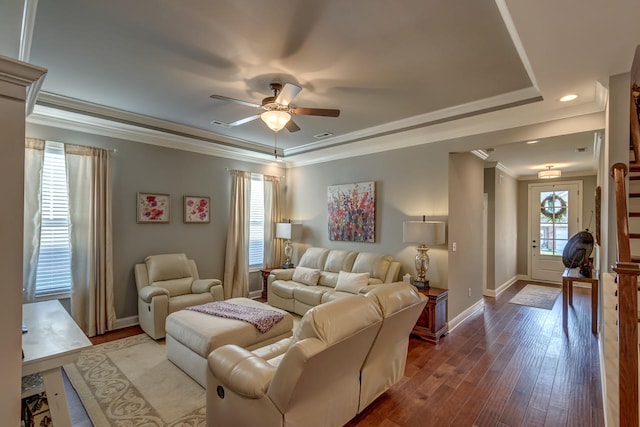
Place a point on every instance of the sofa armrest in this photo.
(368, 288)
(270, 351)
(147, 293)
(280, 274)
(241, 371)
(201, 286)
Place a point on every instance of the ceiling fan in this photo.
(277, 109)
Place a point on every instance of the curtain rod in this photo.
(259, 173)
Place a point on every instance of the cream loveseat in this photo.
(168, 283)
(326, 274)
(342, 356)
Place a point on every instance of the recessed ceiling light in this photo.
(533, 142)
(568, 98)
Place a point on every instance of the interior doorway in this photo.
(555, 214)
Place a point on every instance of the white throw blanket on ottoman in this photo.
(192, 335)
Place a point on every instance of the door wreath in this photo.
(550, 209)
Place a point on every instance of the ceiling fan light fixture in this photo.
(275, 119)
(549, 173)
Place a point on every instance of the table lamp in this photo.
(289, 232)
(424, 233)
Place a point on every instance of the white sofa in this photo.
(321, 276)
(342, 356)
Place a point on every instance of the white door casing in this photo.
(555, 214)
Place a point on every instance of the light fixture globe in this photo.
(275, 119)
(549, 173)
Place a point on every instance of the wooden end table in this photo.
(432, 323)
(265, 276)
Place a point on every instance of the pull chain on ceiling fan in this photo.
(277, 109)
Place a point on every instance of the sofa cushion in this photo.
(338, 260)
(354, 315)
(328, 279)
(314, 258)
(176, 287)
(375, 264)
(309, 295)
(351, 282)
(167, 267)
(306, 276)
(284, 288)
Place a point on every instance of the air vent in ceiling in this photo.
(323, 135)
(217, 123)
(581, 150)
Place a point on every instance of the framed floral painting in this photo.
(352, 212)
(196, 210)
(152, 208)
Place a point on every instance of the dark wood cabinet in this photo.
(432, 323)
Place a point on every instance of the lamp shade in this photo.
(275, 119)
(288, 231)
(424, 232)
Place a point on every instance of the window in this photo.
(53, 274)
(256, 222)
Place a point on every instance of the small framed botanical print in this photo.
(152, 208)
(196, 209)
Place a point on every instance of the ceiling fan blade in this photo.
(237, 101)
(315, 112)
(291, 126)
(288, 92)
(236, 123)
(243, 121)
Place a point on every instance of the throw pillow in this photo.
(351, 282)
(307, 276)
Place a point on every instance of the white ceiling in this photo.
(439, 68)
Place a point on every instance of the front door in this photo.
(555, 216)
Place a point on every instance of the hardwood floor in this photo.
(507, 365)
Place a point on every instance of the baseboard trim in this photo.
(255, 294)
(125, 322)
(457, 321)
(506, 285)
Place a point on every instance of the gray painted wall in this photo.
(502, 190)
(466, 173)
(149, 168)
(410, 182)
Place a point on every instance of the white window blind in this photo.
(256, 222)
(53, 275)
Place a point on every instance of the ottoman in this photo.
(192, 335)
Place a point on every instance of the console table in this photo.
(432, 323)
(52, 340)
(569, 276)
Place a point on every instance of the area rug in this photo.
(130, 382)
(536, 296)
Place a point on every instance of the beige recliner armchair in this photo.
(168, 283)
(314, 382)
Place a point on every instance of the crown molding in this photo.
(120, 119)
(27, 77)
(493, 114)
(62, 119)
(487, 105)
